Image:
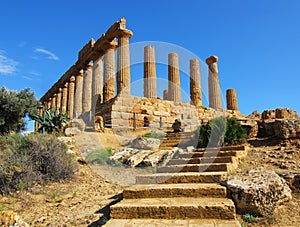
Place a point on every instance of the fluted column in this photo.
(173, 78)
(97, 84)
(213, 83)
(53, 101)
(71, 97)
(149, 72)
(49, 103)
(64, 100)
(231, 98)
(87, 89)
(58, 100)
(78, 94)
(195, 84)
(109, 71)
(123, 73)
(36, 124)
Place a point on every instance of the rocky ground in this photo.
(84, 201)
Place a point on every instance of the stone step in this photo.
(227, 148)
(172, 222)
(174, 190)
(182, 161)
(210, 153)
(185, 177)
(179, 208)
(213, 167)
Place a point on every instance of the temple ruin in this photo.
(88, 89)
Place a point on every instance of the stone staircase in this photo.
(184, 192)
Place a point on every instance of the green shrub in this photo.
(155, 135)
(99, 156)
(31, 159)
(219, 131)
(234, 132)
(250, 218)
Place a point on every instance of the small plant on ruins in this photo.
(219, 131)
(155, 135)
(235, 133)
(33, 159)
(250, 218)
(99, 156)
(50, 121)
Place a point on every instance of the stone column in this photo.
(71, 97)
(36, 124)
(109, 71)
(165, 94)
(195, 83)
(173, 78)
(213, 83)
(64, 100)
(97, 84)
(78, 94)
(149, 72)
(123, 73)
(231, 98)
(53, 101)
(58, 100)
(87, 89)
(49, 103)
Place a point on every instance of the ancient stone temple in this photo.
(93, 87)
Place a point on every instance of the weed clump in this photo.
(33, 159)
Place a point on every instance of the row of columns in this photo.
(173, 92)
(95, 83)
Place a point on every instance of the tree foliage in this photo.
(221, 131)
(51, 122)
(14, 106)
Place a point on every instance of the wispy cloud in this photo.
(27, 77)
(7, 65)
(50, 55)
(34, 73)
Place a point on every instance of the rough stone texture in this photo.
(78, 123)
(285, 113)
(149, 72)
(72, 131)
(258, 192)
(255, 115)
(123, 64)
(287, 128)
(231, 98)
(213, 83)
(71, 98)
(251, 127)
(67, 140)
(195, 83)
(292, 179)
(145, 143)
(174, 93)
(138, 157)
(279, 113)
(78, 94)
(109, 71)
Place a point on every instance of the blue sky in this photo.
(257, 41)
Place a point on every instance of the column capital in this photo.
(110, 45)
(211, 60)
(65, 85)
(88, 66)
(125, 33)
(80, 73)
(60, 90)
(72, 80)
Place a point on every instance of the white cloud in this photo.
(51, 55)
(27, 77)
(7, 65)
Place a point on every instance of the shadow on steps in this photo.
(106, 211)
